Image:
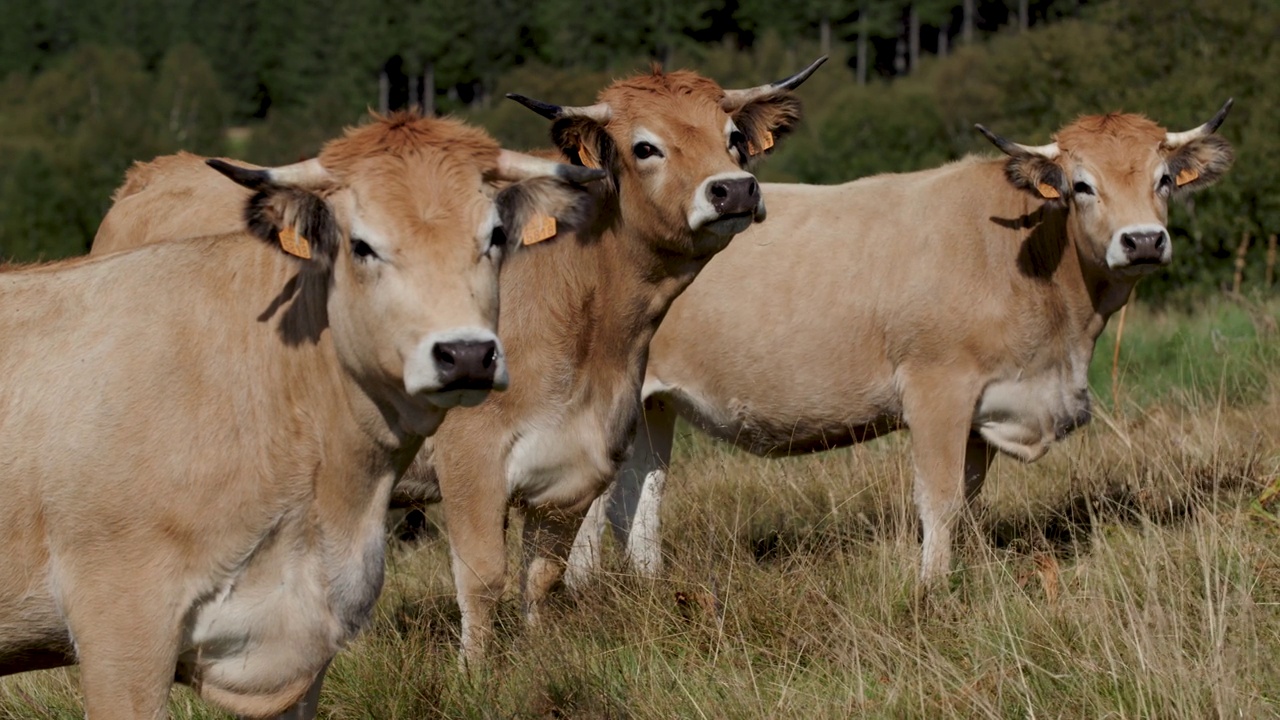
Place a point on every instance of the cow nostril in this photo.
(1127, 242)
(1160, 241)
(753, 189)
(443, 357)
(719, 191)
(490, 358)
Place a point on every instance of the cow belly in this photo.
(1024, 416)
(260, 639)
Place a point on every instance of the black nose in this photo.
(466, 365)
(734, 196)
(1144, 248)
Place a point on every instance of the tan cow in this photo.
(578, 316)
(962, 302)
(198, 440)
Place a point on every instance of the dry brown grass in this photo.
(1128, 574)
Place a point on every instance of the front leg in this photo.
(475, 509)
(127, 632)
(548, 537)
(950, 463)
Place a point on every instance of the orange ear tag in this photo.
(294, 244)
(766, 141)
(588, 159)
(539, 228)
(1048, 191)
(1186, 175)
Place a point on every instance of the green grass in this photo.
(1124, 575)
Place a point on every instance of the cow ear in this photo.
(584, 141)
(292, 219)
(539, 209)
(1038, 175)
(1200, 162)
(767, 120)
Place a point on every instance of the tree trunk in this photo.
(900, 56)
(862, 52)
(1271, 260)
(412, 81)
(913, 38)
(384, 92)
(966, 25)
(943, 39)
(429, 89)
(1024, 12)
(824, 35)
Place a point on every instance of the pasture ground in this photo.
(1133, 572)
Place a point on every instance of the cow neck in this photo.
(359, 425)
(593, 299)
(1053, 264)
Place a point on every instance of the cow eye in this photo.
(362, 250)
(645, 150)
(1166, 181)
(498, 238)
(1082, 188)
(736, 138)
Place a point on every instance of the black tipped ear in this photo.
(297, 223)
(248, 177)
(766, 121)
(584, 141)
(1200, 163)
(1040, 176)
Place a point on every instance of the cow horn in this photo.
(305, 174)
(1013, 149)
(519, 166)
(734, 99)
(599, 112)
(1178, 139)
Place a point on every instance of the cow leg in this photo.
(306, 708)
(475, 516)
(939, 412)
(632, 502)
(548, 537)
(127, 642)
(636, 517)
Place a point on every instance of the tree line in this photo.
(87, 87)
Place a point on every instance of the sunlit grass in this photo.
(1125, 575)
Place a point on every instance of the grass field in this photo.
(1131, 573)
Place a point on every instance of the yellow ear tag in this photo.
(588, 159)
(1048, 191)
(1186, 175)
(294, 244)
(539, 228)
(766, 141)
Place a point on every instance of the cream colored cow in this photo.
(577, 316)
(962, 302)
(198, 440)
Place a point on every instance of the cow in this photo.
(961, 302)
(198, 439)
(578, 316)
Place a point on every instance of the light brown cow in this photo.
(198, 440)
(578, 316)
(962, 302)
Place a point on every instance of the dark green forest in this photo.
(89, 86)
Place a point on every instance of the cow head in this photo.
(676, 147)
(1115, 174)
(404, 223)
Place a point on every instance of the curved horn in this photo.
(305, 174)
(599, 112)
(1013, 149)
(1178, 139)
(734, 99)
(519, 166)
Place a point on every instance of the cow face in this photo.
(676, 147)
(1115, 174)
(405, 228)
